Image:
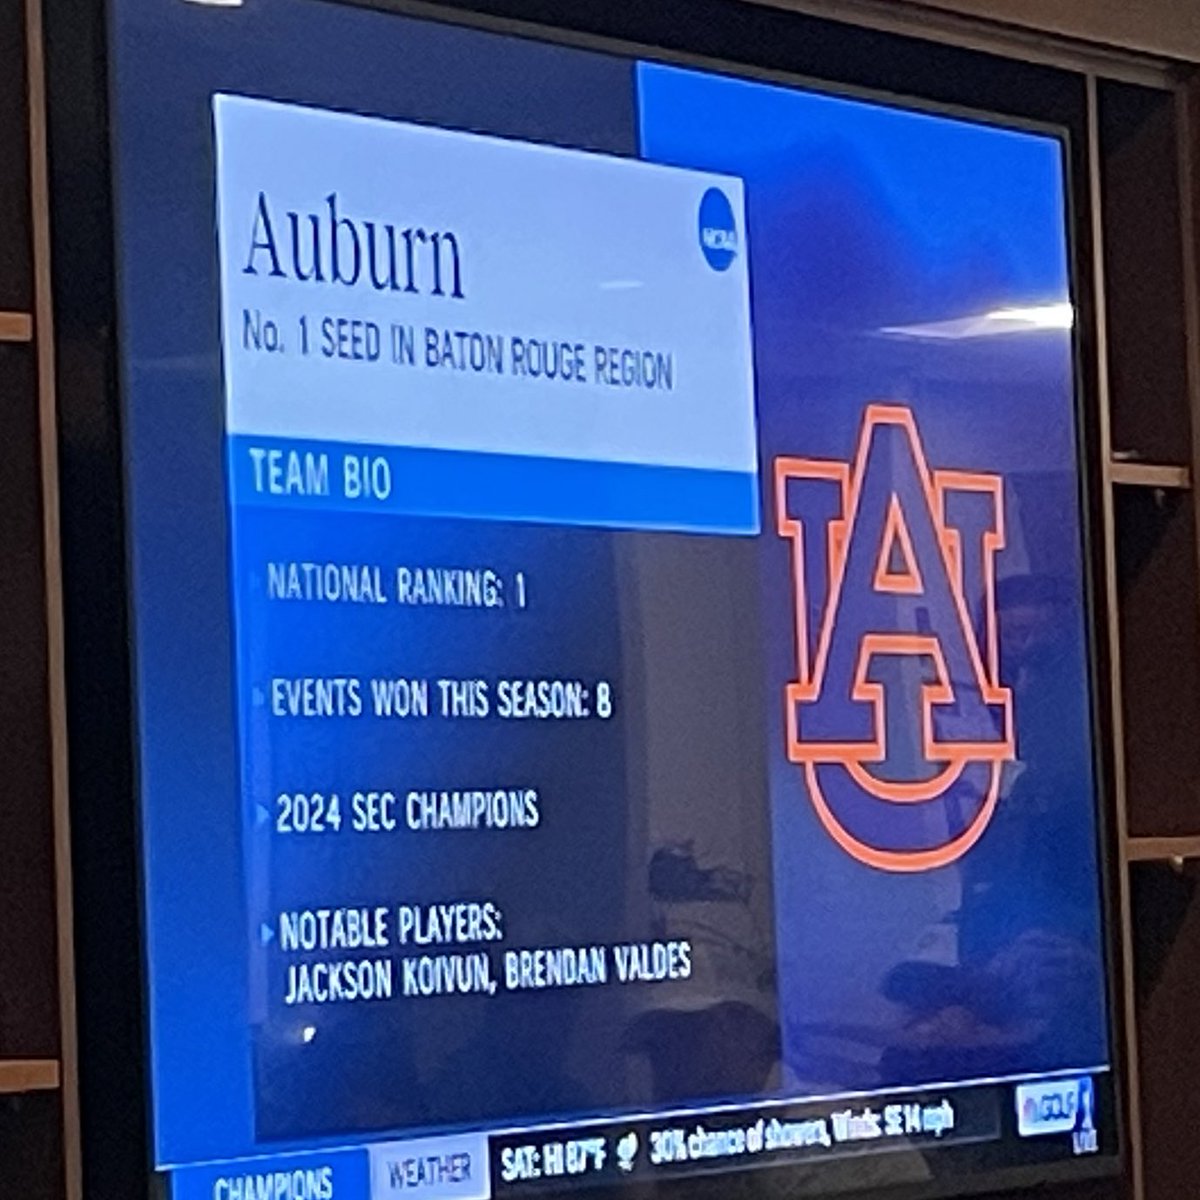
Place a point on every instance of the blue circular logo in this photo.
(718, 230)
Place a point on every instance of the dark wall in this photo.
(28, 998)
(30, 1121)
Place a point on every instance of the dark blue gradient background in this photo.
(863, 220)
(169, 60)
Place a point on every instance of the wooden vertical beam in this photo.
(1108, 506)
(52, 553)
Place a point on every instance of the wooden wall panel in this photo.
(1166, 913)
(1160, 660)
(31, 1147)
(1143, 240)
(1168, 27)
(28, 967)
(31, 1041)
(16, 273)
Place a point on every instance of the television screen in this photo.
(612, 646)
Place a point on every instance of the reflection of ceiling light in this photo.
(620, 285)
(1041, 316)
(308, 1033)
(219, 3)
(1026, 319)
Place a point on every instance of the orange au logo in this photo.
(896, 715)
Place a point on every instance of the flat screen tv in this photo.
(612, 651)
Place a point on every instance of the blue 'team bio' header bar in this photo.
(352, 477)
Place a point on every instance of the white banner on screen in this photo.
(399, 286)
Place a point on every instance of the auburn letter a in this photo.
(897, 679)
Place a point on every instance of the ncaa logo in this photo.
(1053, 1112)
(718, 230)
(896, 715)
(1056, 1106)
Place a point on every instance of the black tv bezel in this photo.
(812, 53)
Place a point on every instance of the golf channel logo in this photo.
(718, 230)
(1059, 1106)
